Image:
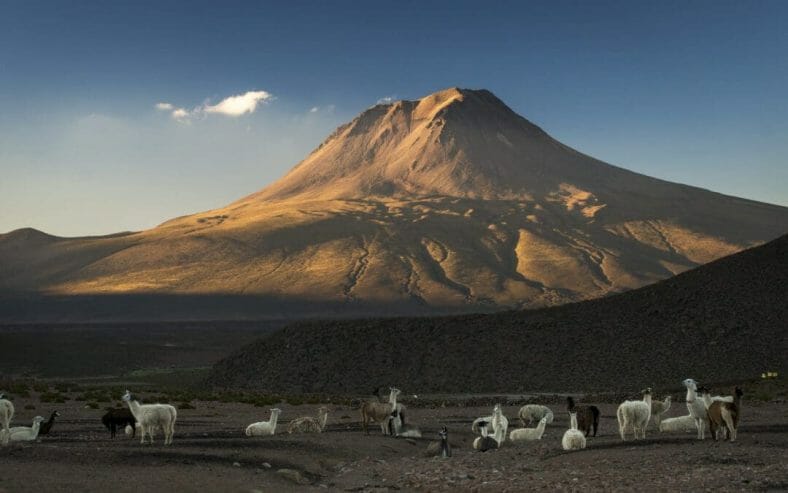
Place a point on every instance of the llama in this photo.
(151, 416)
(533, 413)
(497, 421)
(681, 423)
(635, 415)
(26, 433)
(658, 408)
(46, 426)
(723, 413)
(119, 417)
(440, 448)
(397, 428)
(499, 424)
(529, 434)
(308, 424)
(373, 410)
(485, 442)
(573, 438)
(696, 407)
(6, 415)
(264, 427)
(587, 416)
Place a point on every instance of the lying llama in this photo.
(151, 416)
(635, 415)
(485, 442)
(529, 434)
(119, 417)
(681, 423)
(308, 424)
(573, 439)
(587, 416)
(533, 413)
(373, 410)
(658, 408)
(46, 426)
(26, 433)
(264, 427)
(440, 448)
(6, 415)
(722, 413)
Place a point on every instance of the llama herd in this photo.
(720, 413)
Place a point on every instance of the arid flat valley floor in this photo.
(210, 453)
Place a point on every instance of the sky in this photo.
(117, 116)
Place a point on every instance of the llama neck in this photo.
(393, 400)
(274, 417)
(322, 418)
(647, 399)
(573, 421)
(444, 447)
(542, 423)
(36, 426)
(51, 419)
(691, 395)
(737, 399)
(134, 407)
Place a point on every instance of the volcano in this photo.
(450, 203)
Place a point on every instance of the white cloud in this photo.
(234, 106)
(387, 99)
(315, 109)
(181, 114)
(239, 104)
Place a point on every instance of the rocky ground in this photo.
(211, 453)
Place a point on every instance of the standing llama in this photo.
(6, 415)
(635, 415)
(373, 410)
(497, 421)
(723, 413)
(587, 416)
(696, 407)
(573, 438)
(152, 416)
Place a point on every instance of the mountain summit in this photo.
(449, 203)
(456, 142)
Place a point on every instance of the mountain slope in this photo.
(720, 322)
(449, 203)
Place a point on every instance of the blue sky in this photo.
(693, 92)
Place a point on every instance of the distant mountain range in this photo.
(719, 323)
(451, 203)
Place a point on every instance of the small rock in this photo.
(293, 476)
(266, 465)
(236, 464)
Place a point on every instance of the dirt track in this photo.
(210, 453)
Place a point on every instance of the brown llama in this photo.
(587, 416)
(726, 414)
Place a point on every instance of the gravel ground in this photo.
(211, 453)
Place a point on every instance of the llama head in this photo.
(2, 395)
(646, 391)
(738, 392)
(38, 419)
(543, 420)
(55, 413)
(497, 409)
(276, 411)
(395, 391)
(690, 384)
(127, 396)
